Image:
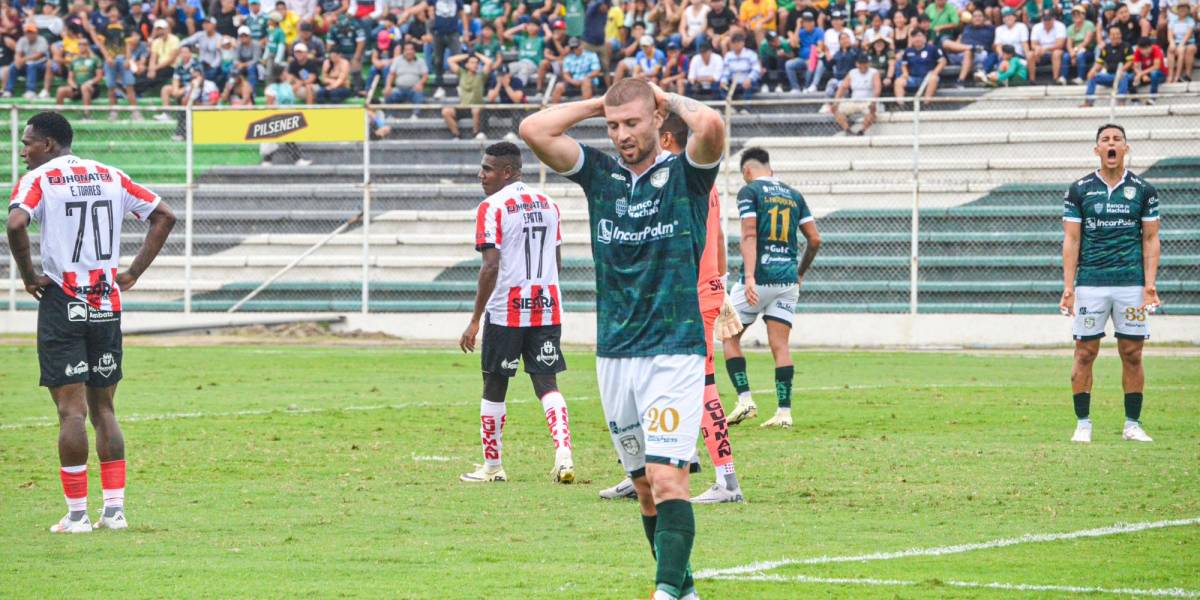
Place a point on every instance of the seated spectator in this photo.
(308, 37)
(808, 40)
(31, 53)
(504, 90)
(335, 78)
(628, 62)
(62, 52)
(774, 54)
(82, 79)
(1013, 69)
(758, 17)
(742, 72)
(180, 75)
(381, 60)
(1047, 42)
(704, 72)
(257, 20)
(901, 26)
(238, 90)
(1081, 45)
(280, 92)
(862, 19)
(721, 20)
(351, 41)
(208, 44)
(972, 46)
(275, 51)
(844, 61)
(555, 51)
(531, 48)
(164, 49)
(304, 70)
(1012, 33)
(830, 46)
(864, 87)
(649, 61)
(1149, 67)
(1111, 58)
(405, 82)
(878, 28)
(665, 17)
(539, 11)
(695, 22)
(200, 91)
(1132, 27)
(883, 59)
(1181, 44)
(494, 12)
(921, 61)
(472, 79)
(944, 21)
(675, 69)
(580, 70)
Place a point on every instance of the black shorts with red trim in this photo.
(539, 347)
(77, 343)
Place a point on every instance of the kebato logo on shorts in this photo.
(509, 364)
(106, 365)
(549, 354)
(631, 445)
(276, 126)
(77, 311)
(79, 369)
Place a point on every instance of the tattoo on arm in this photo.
(680, 104)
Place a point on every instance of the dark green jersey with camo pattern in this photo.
(1110, 247)
(780, 211)
(648, 233)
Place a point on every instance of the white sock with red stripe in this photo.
(75, 488)
(554, 406)
(491, 430)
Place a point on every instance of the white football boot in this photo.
(718, 494)
(564, 468)
(66, 525)
(1083, 432)
(745, 409)
(484, 474)
(1134, 433)
(116, 521)
(781, 419)
(624, 489)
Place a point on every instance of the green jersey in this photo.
(1110, 246)
(84, 68)
(530, 47)
(648, 232)
(780, 211)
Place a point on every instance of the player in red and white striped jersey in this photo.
(79, 205)
(518, 234)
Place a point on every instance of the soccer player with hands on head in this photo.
(518, 234)
(648, 210)
(772, 213)
(79, 205)
(1110, 256)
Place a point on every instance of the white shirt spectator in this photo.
(740, 66)
(862, 85)
(832, 35)
(872, 34)
(304, 8)
(1137, 6)
(695, 18)
(1017, 35)
(1045, 38)
(879, 6)
(698, 69)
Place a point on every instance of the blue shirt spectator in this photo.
(580, 65)
(594, 21)
(982, 36)
(808, 40)
(650, 63)
(921, 61)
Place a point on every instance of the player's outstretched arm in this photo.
(162, 220)
(488, 272)
(18, 243)
(1151, 251)
(1070, 256)
(546, 132)
(706, 140)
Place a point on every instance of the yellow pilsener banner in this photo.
(279, 125)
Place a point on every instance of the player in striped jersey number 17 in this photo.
(518, 234)
(80, 205)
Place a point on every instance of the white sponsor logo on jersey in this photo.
(1130, 193)
(659, 178)
(621, 205)
(608, 232)
(77, 311)
(644, 209)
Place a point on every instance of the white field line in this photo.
(33, 422)
(432, 458)
(1016, 587)
(1029, 538)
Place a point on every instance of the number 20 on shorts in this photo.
(666, 420)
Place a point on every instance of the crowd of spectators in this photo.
(503, 51)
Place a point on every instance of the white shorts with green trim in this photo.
(1094, 305)
(653, 406)
(776, 302)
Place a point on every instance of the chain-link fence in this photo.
(954, 207)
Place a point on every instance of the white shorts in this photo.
(775, 302)
(1095, 304)
(653, 406)
(853, 109)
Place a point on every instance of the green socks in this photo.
(673, 544)
(649, 524)
(737, 374)
(783, 385)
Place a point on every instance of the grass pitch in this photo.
(284, 471)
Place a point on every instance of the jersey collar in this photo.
(1124, 176)
(662, 157)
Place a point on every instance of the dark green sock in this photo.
(1133, 406)
(1083, 405)
(737, 374)
(783, 385)
(649, 524)
(673, 541)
